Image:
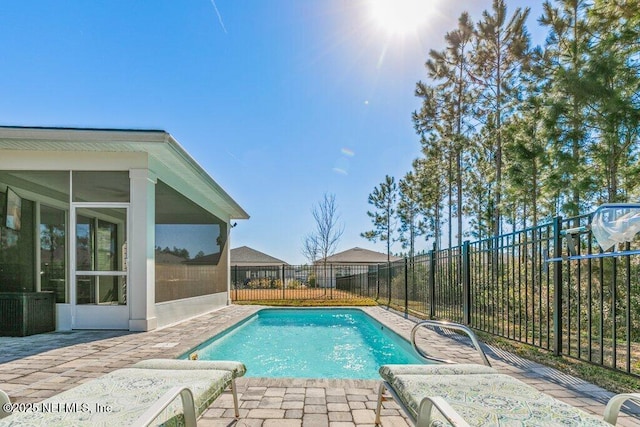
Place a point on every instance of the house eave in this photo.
(158, 144)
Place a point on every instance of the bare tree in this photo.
(328, 230)
(310, 248)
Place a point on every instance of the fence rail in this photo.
(587, 308)
(295, 282)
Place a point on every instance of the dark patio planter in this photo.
(27, 313)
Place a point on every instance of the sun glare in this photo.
(401, 16)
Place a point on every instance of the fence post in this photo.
(466, 283)
(331, 279)
(389, 282)
(406, 286)
(432, 282)
(377, 282)
(557, 286)
(235, 280)
(284, 296)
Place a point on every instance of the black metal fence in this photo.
(542, 286)
(298, 282)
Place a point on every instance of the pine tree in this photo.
(383, 198)
(527, 159)
(410, 213)
(500, 52)
(430, 176)
(449, 118)
(566, 49)
(612, 82)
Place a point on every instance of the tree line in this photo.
(513, 134)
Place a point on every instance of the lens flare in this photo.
(341, 166)
(401, 16)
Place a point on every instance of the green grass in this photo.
(614, 381)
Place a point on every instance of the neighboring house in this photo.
(164, 258)
(247, 264)
(85, 213)
(352, 261)
(245, 256)
(210, 259)
(358, 256)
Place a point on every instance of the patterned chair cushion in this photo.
(388, 372)
(128, 393)
(490, 400)
(237, 369)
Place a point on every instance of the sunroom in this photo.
(108, 223)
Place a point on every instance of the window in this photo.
(190, 248)
(53, 252)
(17, 252)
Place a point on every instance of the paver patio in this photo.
(36, 367)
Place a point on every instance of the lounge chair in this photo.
(478, 395)
(236, 369)
(4, 399)
(145, 394)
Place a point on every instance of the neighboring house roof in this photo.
(167, 158)
(211, 259)
(358, 256)
(245, 256)
(166, 258)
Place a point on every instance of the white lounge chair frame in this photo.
(188, 407)
(4, 399)
(427, 404)
(227, 373)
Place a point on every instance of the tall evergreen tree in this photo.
(383, 198)
(612, 83)
(449, 117)
(435, 137)
(501, 49)
(480, 182)
(410, 212)
(430, 176)
(566, 50)
(527, 161)
(450, 69)
(557, 127)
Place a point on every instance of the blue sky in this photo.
(280, 101)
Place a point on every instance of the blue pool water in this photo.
(310, 343)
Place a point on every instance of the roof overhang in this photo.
(159, 145)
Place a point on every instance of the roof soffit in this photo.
(159, 145)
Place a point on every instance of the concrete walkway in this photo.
(36, 367)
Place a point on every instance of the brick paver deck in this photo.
(36, 367)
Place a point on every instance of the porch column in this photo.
(141, 248)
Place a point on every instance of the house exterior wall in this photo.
(191, 251)
(172, 312)
(143, 311)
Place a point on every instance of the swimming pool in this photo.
(309, 343)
